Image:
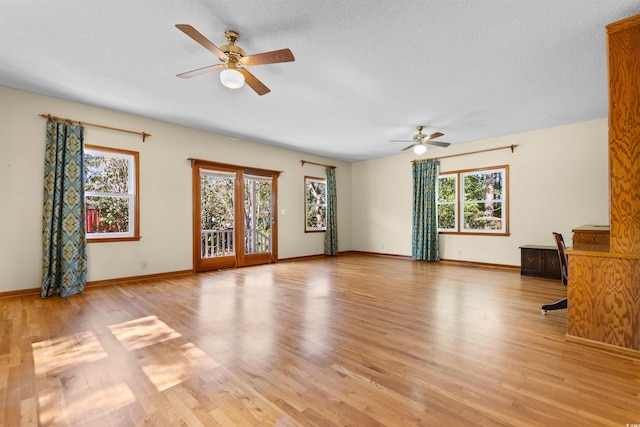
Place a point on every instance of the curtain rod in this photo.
(512, 146)
(49, 116)
(314, 163)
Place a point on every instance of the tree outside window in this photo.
(315, 204)
(217, 210)
(483, 200)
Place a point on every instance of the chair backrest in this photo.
(563, 258)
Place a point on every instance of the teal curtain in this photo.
(425, 228)
(64, 266)
(331, 233)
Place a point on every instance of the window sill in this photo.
(472, 233)
(113, 239)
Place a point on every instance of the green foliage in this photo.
(482, 200)
(217, 211)
(316, 217)
(257, 204)
(481, 216)
(447, 189)
(446, 216)
(446, 195)
(483, 186)
(316, 193)
(216, 208)
(107, 214)
(316, 202)
(106, 174)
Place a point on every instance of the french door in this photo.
(233, 216)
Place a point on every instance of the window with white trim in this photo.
(111, 194)
(315, 204)
(473, 201)
(447, 202)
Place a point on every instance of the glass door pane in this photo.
(217, 218)
(257, 215)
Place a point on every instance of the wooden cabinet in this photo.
(624, 134)
(604, 284)
(541, 261)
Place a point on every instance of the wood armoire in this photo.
(604, 286)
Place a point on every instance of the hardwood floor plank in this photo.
(353, 340)
(28, 412)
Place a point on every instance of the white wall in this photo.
(165, 188)
(558, 180)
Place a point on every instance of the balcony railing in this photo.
(217, 243)
(256, 242)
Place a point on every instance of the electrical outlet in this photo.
(144, 265)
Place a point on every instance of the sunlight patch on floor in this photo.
(82, 405)
(54, 355)
(77, 384)
(162, 358)
(64, 367)
(139, 333)
(167, 365)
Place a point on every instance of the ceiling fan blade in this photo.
(400, 140)
(195, 35)
(408, 147)
(254, 83)
(282, 55)
(199, 71)
(435, 135)
(438, 143)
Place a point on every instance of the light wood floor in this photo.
(354, 340)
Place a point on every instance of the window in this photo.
(315, 204)
(473, 201)
(447, 202)
(111, 194)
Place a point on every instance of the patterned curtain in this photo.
(425, 228)
(64, 267)
(331, 233)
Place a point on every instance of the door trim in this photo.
(239, 259)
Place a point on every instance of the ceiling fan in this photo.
(234, 60)
(421, 140)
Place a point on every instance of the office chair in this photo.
(559, 305)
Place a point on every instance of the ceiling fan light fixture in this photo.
(420, 149)
(231, 78)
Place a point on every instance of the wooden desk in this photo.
(591, 238)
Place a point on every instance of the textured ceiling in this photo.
(366, 71)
